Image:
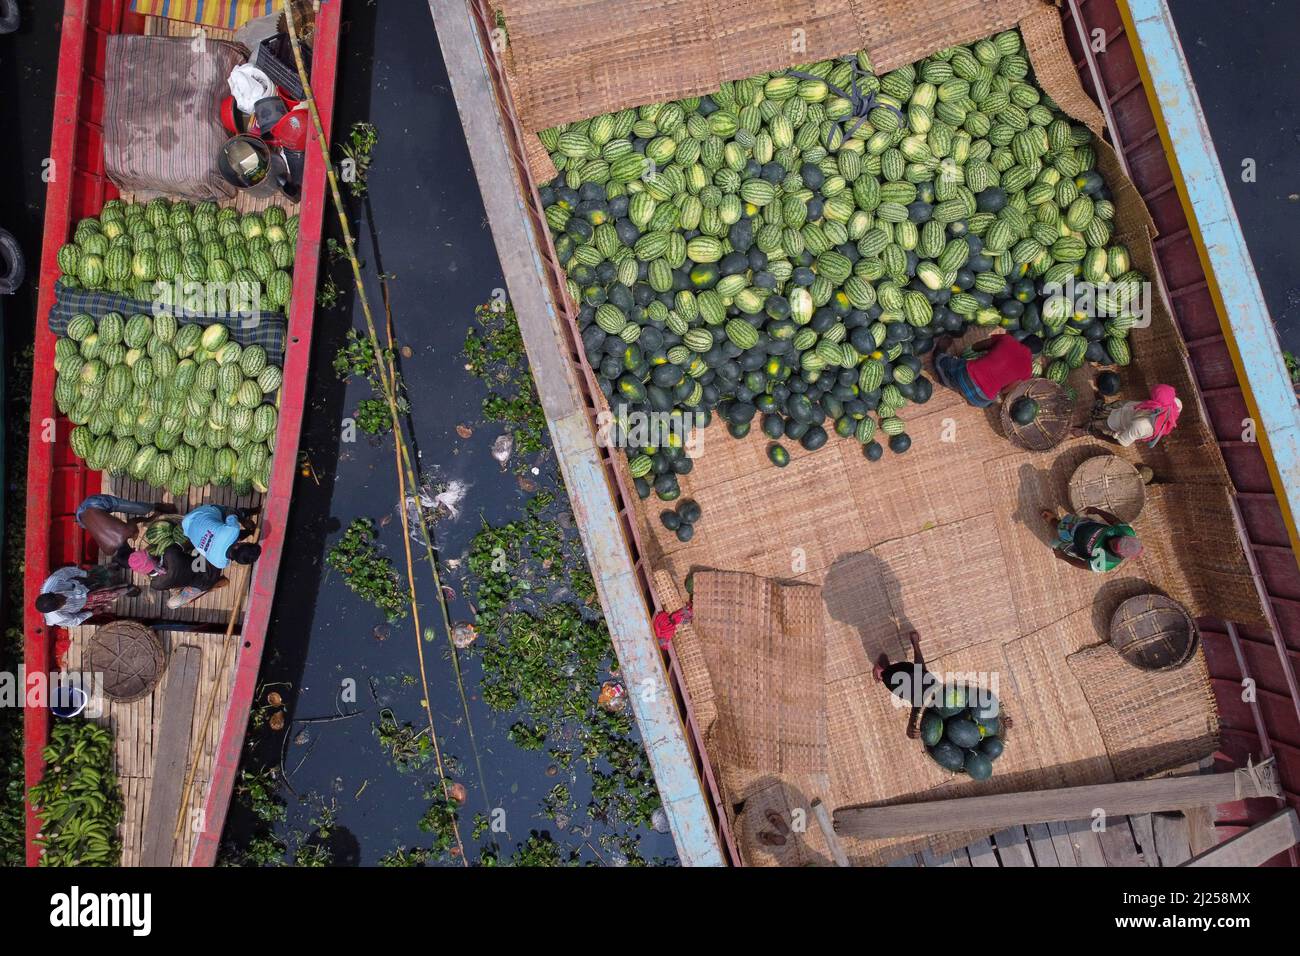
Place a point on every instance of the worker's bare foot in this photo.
(1049, 515)
(878, 671)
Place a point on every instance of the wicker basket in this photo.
(129, 659)
(1108, 482)
(1154, 633)
(1050, 425)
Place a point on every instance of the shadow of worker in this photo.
(861, 592)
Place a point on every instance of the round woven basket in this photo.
(1108, 482)
(1154, 633)
(1050, 425)
(129, 658)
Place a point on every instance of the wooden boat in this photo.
(226, 633)
(1152, 119)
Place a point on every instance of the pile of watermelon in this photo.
(176, 405)
(963, 732)
(140, 249)
(760, 253)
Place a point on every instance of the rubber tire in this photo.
(11, 260)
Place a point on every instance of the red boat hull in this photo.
(57, 480)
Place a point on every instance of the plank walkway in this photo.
(1158, 839)
(136, 728)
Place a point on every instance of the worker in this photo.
(1102, 542)
(113, 535)
(909, 682)
(72, 595)
(216, 532)
(666, 624)
(175, 570)
(1128, 422)
(120, 505)
(999, 362)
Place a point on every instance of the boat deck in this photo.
(136, 729)
(1148, 840)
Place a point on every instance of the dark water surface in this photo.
(1242, 58)
(434, 240)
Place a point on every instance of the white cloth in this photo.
(68, 582)
(247, 85)
(1128, 424)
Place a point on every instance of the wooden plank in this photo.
(930, 858)
(1200, 829)
(1118, 844)
(1087, 844)
(172, 750)
(1013, 847)
(981, 853)
(1044, 850)
(1144, 833)
(1255, 846)
(1172, 843)
(1061, 842)
(995, 812)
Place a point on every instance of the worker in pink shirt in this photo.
(1001, 361)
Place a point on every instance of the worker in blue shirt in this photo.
(215, 531)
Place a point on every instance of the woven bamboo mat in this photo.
(952, 586)
(1149, 722)
(762, 641)
(577, 58)
(1050, 706)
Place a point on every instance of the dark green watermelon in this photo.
(962, 731)
(948, 755)
(1108, 383)
(992, 747)
(984, 704)
(931, 728)
(978, 765)
(1024, 410)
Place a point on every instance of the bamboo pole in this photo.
(236, 606)
(823, 818)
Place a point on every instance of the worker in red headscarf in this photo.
(1127, 422)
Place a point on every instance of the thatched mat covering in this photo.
(946, 539)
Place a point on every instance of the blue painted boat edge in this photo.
(1243, 310)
